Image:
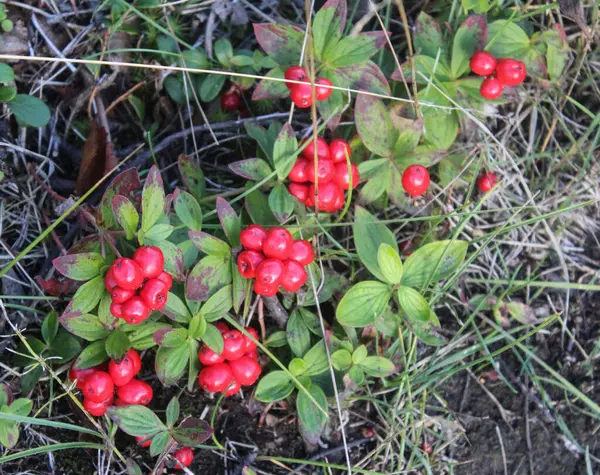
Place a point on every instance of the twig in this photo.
(48, 41)
(276, 311)
(502, 449)
(334, 450)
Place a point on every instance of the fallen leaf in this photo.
(98, 158)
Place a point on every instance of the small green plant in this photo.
(28, 110)
(9, 429)
(5, 23)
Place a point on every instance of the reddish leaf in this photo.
(380, 37)
(428, 35)
(209, 275)
(56, 287)
(267, 89)
(83, 266)
(283, 43)
(367, 77)
(341, 11)
(123, 184)
(230, 222)
(192, 432)
(98, 158)
(252, 169)
(89, 243)
(192, 175)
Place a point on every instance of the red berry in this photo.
(330, 195)
(265, 289)
(302, 252)
(97, 409)
(151, 260)
(234, 345)
(155, 294)
(298, 172)
(338, 149)
(415, 180)
(208, 357)
(511, 72)
(135, 310)
(342, 177)
(248, 261)
(321, 92)
(301, 95)
(491, 88)
(323, 150)
(109, 280)
(127, 273)
(166, 278)
(486, 181)
(249, 344)
(222, 327)
(184, 456)
(215, 378)
(294, 276)
(278, 243)
(269, 272)
(123, 372)
(253, 237)
(119, 295)
(80, 375)
(298, 191)
(340, 199)
(135, 392)
(116, 309)
(482, 63)
(98, 386)
(234, 388)
(142, 442)
(253, 355)
(325, 171)
(294, 73)
(245, 370)
(230, 101)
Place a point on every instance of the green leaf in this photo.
(194, 58)
(84, 266)
(413, 304)
(557, 53)
(369, 235)
(126, 214)
(275, 386)
(176, 309)
(88, 295)
(251, 169)
(310, 320)
(159, 232)
(170, 363)
(197, 326)
(341, 360)
(284, 151)
(136, 420)
(153, 199)
(441, 129)
(9, 434)
(92, 355)
(123, 184)
(359, 354)
(209, 244)
(261, 136)
(170, 337)
(65, 347)
(258, 208)
(425, 331)
(363, 303)
(377, 366)
(6, 73)
(49, 327)
(172, 411)
(21, 407)
(297, 334)
(230, 221)
(351, 50)
(29, 110)
(367, 76)
(138, 106)
(7, 93)
(297, 366)
(312, 417)
(211, 87)
(208, 276)
(117, 344)
(85, 326)
(6, 395)
(175, 89)
(389, 263)
(507, 40)
(223, 51)
(192, 175)
(374, 125)
(219, 304)
(159, 443)
(213, 339)
(433, 262)
(357, 375)
(276, 339)
(283, 43)
(281, 202)
(141, 336)
(328, 26)
(471, 36)
(316, 359)
(427, 36)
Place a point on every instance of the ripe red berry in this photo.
(301, 95)
(184, 456)
(245, 370)
(253, 355)
(278, 244)
(166, 278)
(215, 378)
(249, 344)
(234, 345)
(415, 180)
(119, 295)
(323, 150)
(230, 101)
(97, 409)
(98, 386)
(294, 73)
(253, 237)
(123, 372)
(109, 280)
(340, 199)
(329, 196)
(248, 261)
(302, 252)
(151, 260)
(116, 309)
(208, 357)
(135, 392)
(127, 273)
(486, 181)
(294, 276)
(325, 171)
(482, 63)
(234, 388)
(222, 327)
(155, 294)
(135, 310)
(298, 191)
(491, 88)
(80, 375)
(269, 272)
(298, 172)
(142, 442)
(321, 92)
(511, 72)
(265, 289)
(342, 177)
(338, 149)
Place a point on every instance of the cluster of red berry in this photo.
(98, 384)
(236, 366)
(332, 172)
(415, 180)
(273, 258)
(184, 455)
(301, 94)
(139, 285)
(497, 73)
